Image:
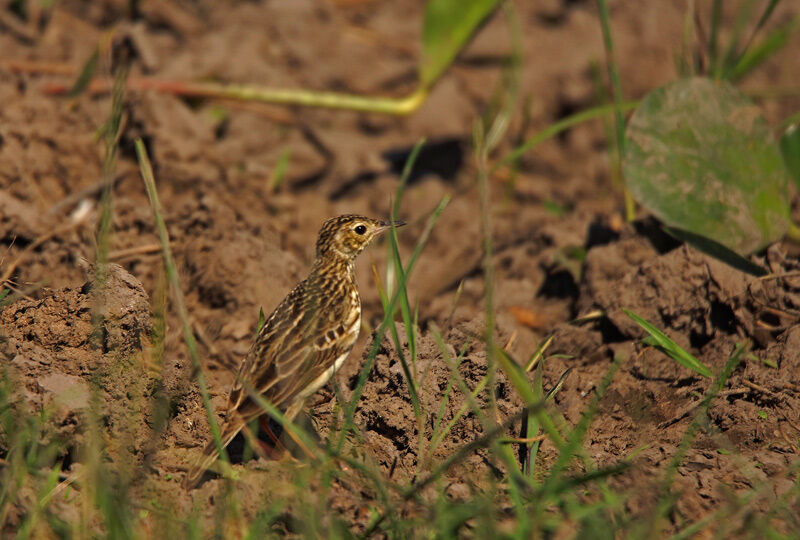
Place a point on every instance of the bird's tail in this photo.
(210, 454)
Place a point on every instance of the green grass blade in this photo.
(713, 42)
(520, 383)
(790, 151)
(728, 60)
(562, 125)
(756, 55)
(669, 347)
(376, 342)
(616, 87)
(172, 276)
(717, 250)
(666, 495)
(397, 266)
(279, 171)
(570, 449)
(86, 75)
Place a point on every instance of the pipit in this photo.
(308, 336)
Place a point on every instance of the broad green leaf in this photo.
(700, 157)
(718, 251)
(446, 29)
(662, 342)
(790, 148)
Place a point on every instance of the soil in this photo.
(241, 246)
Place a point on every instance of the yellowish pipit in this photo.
(308, 336)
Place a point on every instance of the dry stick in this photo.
(39, 67)
(89, 191)
(38, 242)
(180, 305)
(138, 250)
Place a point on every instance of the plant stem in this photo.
(283, 96)
(616, 86)
(180, 304)
(793, 233)
(562, 125)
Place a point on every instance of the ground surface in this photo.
(241, 246)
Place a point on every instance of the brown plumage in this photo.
(306, 338)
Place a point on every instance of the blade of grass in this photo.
(663, 343)
(177, 294)
(461, 454)
(487, 421)
(754, 56)
(538, 355)
(279, 171)
(315, 453)
(485, 140)
(376, 342)
(397, 265)
(575, 438)
(520, 383)
(616, 88)
(86, 75)
(105, 490)
(713, 42)
(728, 60)
(437, 437)
(687, 59)
(562, 125)
(532, 426)
(765, 15)
(666, 499)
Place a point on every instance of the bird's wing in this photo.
(289, 353)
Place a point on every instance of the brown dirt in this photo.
(240, 247)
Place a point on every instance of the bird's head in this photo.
(347, 236)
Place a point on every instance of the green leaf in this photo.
(757, 54)
(790, 149)
(718, 251)
(279, 172)
(86, 75)
(662, 342)
(446, 29)
(700, 157)
(261, 320)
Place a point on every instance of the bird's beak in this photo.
(385, 225)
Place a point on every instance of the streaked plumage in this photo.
(308, 336)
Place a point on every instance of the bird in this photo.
(307, 337)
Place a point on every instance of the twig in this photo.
(795, 273)
(138, 250)
(15, 27)
(39, 67)
(38, 242)
(758, 387)
(89, 191)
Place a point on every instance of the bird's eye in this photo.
(360, 229)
